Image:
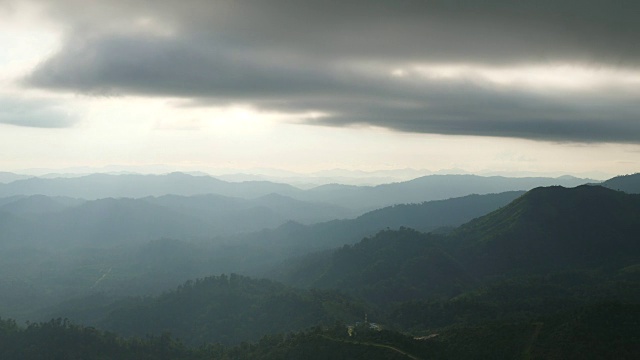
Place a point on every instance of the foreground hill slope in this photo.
(227, 309)
(602, 331)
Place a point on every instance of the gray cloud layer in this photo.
(332, 56)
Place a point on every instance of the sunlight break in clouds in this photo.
(26, 40)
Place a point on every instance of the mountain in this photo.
(37, 204)
(427, 188)
(430, 215)
(554, 273)
(555, 227)
(104, 245)
(7, 177)
(102, 223)
(358, 199)
(98, 186)
(392, 266)
(427, 216)
(627, 183)
(64, 221)
(129, 246)
(229, 210)
(545, 230)
(551, 274)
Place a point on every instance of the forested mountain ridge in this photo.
(62, 221)
(544, 230)
(555, 261)
(392, 266)
(428, 216)
(627, 183)
(553, 228)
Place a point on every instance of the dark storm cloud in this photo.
(332, 57)
(509, 120)
(181, 67)
(488, 31)
(467, 109)
(34, 113)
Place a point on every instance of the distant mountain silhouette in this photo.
(60, 221)
(427, 188)
(358, 199)
(236, 210)
(7, 177)
(98, 186)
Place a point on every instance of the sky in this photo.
(512, 87)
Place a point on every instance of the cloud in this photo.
(493, 31)
(469, 110)
(338, 58)
(34, 113)
(174, 66)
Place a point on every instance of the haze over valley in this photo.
(90, 259)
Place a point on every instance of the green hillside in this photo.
(555, 228)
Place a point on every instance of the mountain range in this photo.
(546, 230)
(534, 270)
(358, 199)
(503, 252)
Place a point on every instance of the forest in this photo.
(542, 273)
